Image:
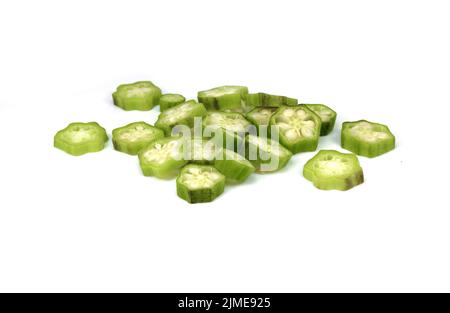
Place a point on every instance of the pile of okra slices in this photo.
(227, 135)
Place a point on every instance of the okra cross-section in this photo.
(327, 117)
(234, 166)
(366, 138)
(200, 183)
(260, 116)
(298, 128)
(163, 158)
(265, 154)
(202, 151)
(226, 128)
(224, 97)
(81, 138)
(141, 96)
(170, 100)
(135, 136)
(332, 170)
(181, 114)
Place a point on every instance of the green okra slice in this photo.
(202, 151)
(260, 116)
(224, 97)
(234, 166)
(200, 183)
(265, 154)
(298, 128)
(163, 158)
(268, 100)
(81, 138)
(333, 170)
(134, 137)
(170, 100)
(327, 117)
(366, 138)
(141, 96)
(181, 114)
(227, 129)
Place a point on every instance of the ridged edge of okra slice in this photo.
(169, 100)
(327, 116)
(81, 138)
(260, 116)
(297, 127)
(200, 183)
(134, 137)
(333, 170)
(234, 166)
(268, 100)
(140, 96)
(223, 97)
(366, 138)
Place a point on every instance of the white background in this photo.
(94, 223)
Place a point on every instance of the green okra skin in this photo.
(265, 154)
(170, 100)
(366, 138)
(333, 170)
(81, 138)
(181, 114)
(163, 158)
(298, 128)
(134, 137)
(234, 166)
(260, 116)
(268, 100)
(224, 98)
(327, 117)
(200, 183)
(140, 96)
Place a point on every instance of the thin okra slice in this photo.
(234, 166)
(366, 138)
(202, 151)
(333, 170)
(223, 98)
(228, 129)
(260, 116)
(268, 100)
(134, 137)
(265, 154)
(181, 114)
(81, 138)
(200, 183)
(170, 100)
(298, 128)
(163, 158)
(327, 117)
(141, 96)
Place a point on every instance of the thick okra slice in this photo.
(265, 154)
(267, 100)
(224, 98)
(234, 166)
(366, 138)
(181, 114)
(331, 169)
(141, 96)
(298, 128)
(200, 183)
(227, 128)
(327, 117)
(170, 100)
(202, 151)
(81, 138)
(163, 158)
(135, 136)
(260, 116)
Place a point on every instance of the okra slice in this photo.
(268, 100)
(333, 170)
(163, 158)
(298, 128)
(200, 183)
(327, 117)
(366, 138)
(134, 137)
(81, 138)
(260, 116)
(265, 154)
(170, 100)
(224, 97)
(234, 166)
(229, 127)
(181, 114)
(202, 151)
(141, 96)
